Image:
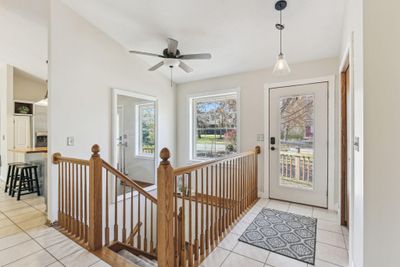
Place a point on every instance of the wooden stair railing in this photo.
(91, 192)
(199, 204)
(195, 207)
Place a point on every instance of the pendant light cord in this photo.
(280, 33)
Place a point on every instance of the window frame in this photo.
(192, 125)
(139, 133)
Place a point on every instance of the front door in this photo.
(299, 143)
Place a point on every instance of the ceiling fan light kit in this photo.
(281, 66)
(173, 58)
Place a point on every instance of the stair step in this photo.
(138, 260)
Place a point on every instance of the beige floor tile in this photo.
(5, 222)
(41, 207)
(345, 230)
(230, 241)
(251, 252)
(300, 209)
(56, 264)
(18, 252)
(33, 223)
(27, 216)
(215, 258)
(330, 238)
(346, 241)
(13, 240)
(325, 214)
(38, 259)
(239, 228)
(40, 230)
(248, 218)
(63, 249)
(329, 226)
(9, 230)
(277, 260)
(255, 210)
(12, 206)
(331, 254)
(51, 239)
(320, 263)
(17, 212)
(236, 260)
(81, 258)
(35, 200)
(100, 264)
(278, 205)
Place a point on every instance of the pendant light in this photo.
(44, 101)
(281, 66)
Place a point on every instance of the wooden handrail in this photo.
(128, 181)
(58, 158)
(196, 166)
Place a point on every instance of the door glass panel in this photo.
(296, 142)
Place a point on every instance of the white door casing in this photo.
(311, 185)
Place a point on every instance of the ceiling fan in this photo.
(172, 57)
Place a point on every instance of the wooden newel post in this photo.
(95, 200)
(165, 230)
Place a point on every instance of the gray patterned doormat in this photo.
(284, 233)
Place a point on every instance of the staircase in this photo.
(179, 225)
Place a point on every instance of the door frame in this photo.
(331, 133)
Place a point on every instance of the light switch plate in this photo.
(260, 137)
(70, 141)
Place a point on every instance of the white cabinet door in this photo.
(22, 135)
(298, 144)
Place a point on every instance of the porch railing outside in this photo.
(297, 167)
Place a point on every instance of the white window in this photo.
(145, 130)
(214, 123)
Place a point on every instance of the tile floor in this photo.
(26, 241)
(331, 249)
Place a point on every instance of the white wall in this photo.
(27, 87)
(251, 86)
(381, 133)
(6, 115)
(353, 40)
(84, 64)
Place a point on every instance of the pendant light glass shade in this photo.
(44, 101)
(281, 66)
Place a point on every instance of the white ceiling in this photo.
(24, 35)
(240, 34)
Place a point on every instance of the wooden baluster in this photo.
(230, 192)
(165, 245)
(69, 198)
(139, 236)
(196, 221)
(220, 201)
(176, 220)
(206, 242)
(224, 190)
(132, 204)
(76, 201)
(123, 212)
(81, 225)
(145, 224)
(59, 191)
(258, 152)
(212, 207)
(95, 200)
(86, 208)
(151, 228)
(115, 208)
(190, 252)
(107, 229)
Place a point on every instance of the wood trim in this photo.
(343, 148)
(95, 200)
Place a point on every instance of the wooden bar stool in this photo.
(28, 180)
(10, 174)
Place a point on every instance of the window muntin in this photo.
(145, 130)
(215, 126)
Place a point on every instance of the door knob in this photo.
(272, 148)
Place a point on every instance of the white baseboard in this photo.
(262, 195)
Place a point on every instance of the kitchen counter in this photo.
(30, 150)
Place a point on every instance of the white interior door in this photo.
(299, 144)
(22, 135)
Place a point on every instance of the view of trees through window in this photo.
(147, 129)
(215, 126)
(297, 140)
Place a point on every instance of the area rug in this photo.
(284, 233)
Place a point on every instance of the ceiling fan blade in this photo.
(172, 46)
(185, 67)
(157, 66)
(196, 56)
(145, 53)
